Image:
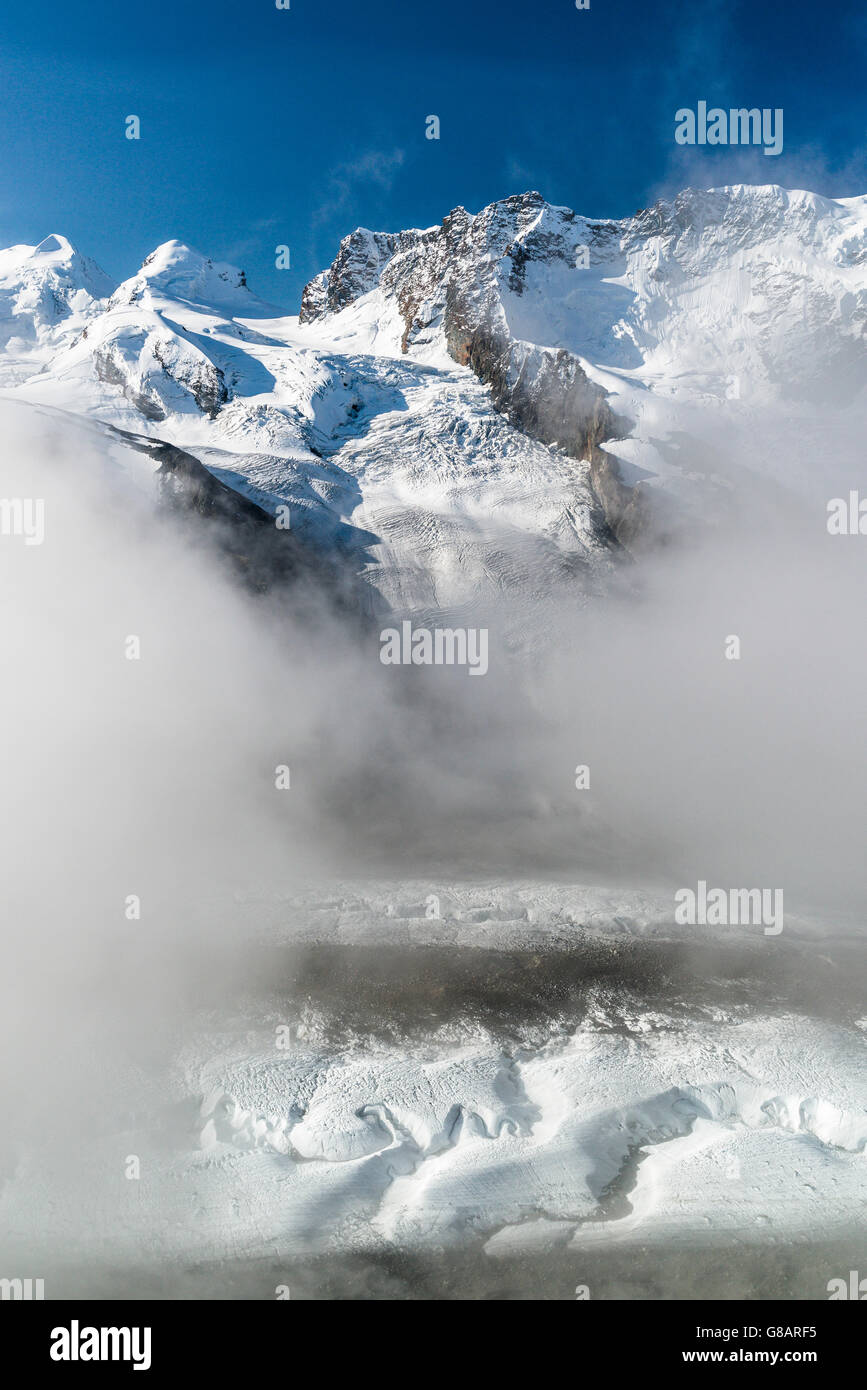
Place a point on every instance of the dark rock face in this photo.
(262, 555)
(627, 508)
(547, 395)
(205, 382)
(356, 270)
(544, 392)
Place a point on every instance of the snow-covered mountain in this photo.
(488, 1078)
(48, 293)
(730, 305)
(493, 403)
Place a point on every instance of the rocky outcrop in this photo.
(264, 556)
(362, 257)
(205, 381)
(449, 279)
(149, 368)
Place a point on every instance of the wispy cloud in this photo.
(348, 180)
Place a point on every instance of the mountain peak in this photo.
(55, 244)
(54, 253)
(172, 253)
(50, 273)
(181, 271)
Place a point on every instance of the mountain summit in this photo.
(175, 271)
(47, 294)
(496, 402)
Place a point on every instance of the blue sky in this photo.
(262, 127)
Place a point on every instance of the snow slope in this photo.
(48, 294)
(687, 340)
(634, 1103)
(485, 405)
